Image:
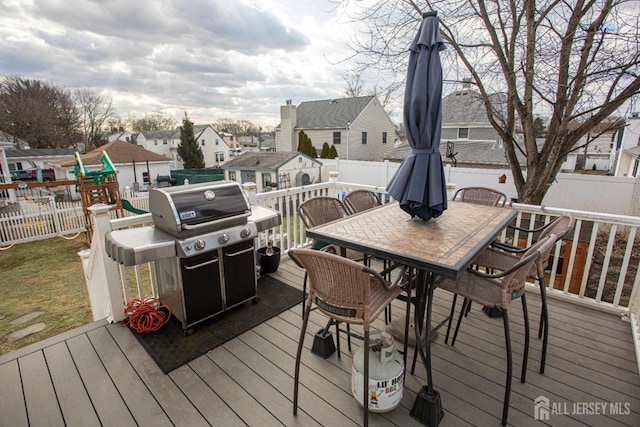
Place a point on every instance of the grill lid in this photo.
(196, 208)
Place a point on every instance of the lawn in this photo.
(42, 276)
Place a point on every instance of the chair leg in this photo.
(338, 338)
(304, 292)
(507, 387)
(296, 382)
(544, 324)
(463, 310)
(406, 329)
(451, 313)
(525, 356)
(365, 380)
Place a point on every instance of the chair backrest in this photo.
(338, 286)
(515, 277)
(320, 210)
(560, 227)
(480, 196)
(361, 200)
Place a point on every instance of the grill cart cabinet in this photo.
(199, 287)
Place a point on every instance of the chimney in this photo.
(288, 121)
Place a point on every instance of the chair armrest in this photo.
(492, 258)
(388, 286)
(507, 247)
(522, 261)
(529, 230)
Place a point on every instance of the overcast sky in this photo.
(238, 59)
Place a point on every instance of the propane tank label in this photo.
(384, 395)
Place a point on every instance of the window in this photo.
(299, 159)
(463, 133)
(336, 138)
(364, 137)
(266, 180)
(219, 157)
(202, 142)
(155, 142)
(384, 137)
(232, 175)
(164, 141)
(217, 141)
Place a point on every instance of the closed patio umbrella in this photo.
(419, 183)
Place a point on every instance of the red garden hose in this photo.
(145, 316)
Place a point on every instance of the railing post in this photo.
(101, 272)
(251, 188)
(333, 180)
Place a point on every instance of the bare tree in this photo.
(577, 61)
(40, 113)
(152, 121)
(354, 86)
(94, 111)
(236, 127)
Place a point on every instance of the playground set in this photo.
(100, 187)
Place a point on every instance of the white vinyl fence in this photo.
(44, 218)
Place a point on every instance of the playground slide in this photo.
(129, 207)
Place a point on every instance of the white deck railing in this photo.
(594, 267)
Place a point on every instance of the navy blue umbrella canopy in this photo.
(419, 183)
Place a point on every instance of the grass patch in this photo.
(42, 276)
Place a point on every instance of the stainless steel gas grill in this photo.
(202, 245)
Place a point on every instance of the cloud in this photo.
(218, 58)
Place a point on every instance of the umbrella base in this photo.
(427, 407)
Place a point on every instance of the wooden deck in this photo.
(100, 375)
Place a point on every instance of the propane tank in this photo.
(386, 374)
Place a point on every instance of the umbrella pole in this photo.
(427, 408)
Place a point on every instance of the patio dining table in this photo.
(445, 246)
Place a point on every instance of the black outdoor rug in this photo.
(171, 348)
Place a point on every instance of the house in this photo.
(464, 117)
(359, 127)
(125, 136)
(627, 154)
(138, 168)
(165, 142)
(18, 159)
(273, 170)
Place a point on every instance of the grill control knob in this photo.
(224, 238)
(245, 233)
(200, 244)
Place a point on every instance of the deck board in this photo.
(100, 375)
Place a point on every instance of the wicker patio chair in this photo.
(358, 201)
(480, 196)
(345, 291)
(321, 210)
(361, 200)
(498, 290)
(560, 227)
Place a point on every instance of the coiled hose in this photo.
(145, 316)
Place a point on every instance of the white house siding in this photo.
(213, 144)
(170, 149)
(301, 164)
(374, 121)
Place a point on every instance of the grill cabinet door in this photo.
(201, 287)
(239, 273)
